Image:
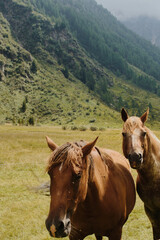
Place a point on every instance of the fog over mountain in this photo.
(124, 9)
(146, 27)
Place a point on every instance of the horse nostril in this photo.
(140, 155)
(48, 224)
(68, 222)
(60, 226)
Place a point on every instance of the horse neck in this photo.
(151, 166)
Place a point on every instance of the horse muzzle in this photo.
(60, 229)
(135, 160)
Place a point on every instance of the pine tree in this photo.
(24, 107)
(33, 67)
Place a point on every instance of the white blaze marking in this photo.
(133, 140)
(61, 166)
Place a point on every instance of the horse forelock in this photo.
(132, 123)
(69, 153)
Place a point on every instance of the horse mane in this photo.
(107, 159)
(152, 135)
(133, 122)
(67, 153)
(72, 153)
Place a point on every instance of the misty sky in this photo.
(123, 9)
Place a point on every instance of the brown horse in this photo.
(92, 191)
(142, 148)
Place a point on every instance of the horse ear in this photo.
(124, 115)
(88, 147)
(144, 117)
(51, 144)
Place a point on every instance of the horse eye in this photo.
(144, 134)
(77, 176)
(124, 134)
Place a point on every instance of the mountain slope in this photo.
(106, 39)
(47, 93)
(72, 62)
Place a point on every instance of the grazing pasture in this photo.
(23, 156)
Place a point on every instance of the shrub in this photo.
(82, 128)
(31, 121)
(93, 128)
(20, 121)
(65, 72)
(87, 113)
(92, 120)
(33, 67)
(1, 76)
(24, 107)
(74, 128)
(101, 129)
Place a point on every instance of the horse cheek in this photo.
(125, 148)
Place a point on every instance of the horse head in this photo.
(68, 169)
(135, 143)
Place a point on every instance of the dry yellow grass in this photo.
(23, 155)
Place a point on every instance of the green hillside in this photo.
(39, 89)
(72, 63)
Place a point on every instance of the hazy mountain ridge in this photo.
(146, 27)
(57, 74)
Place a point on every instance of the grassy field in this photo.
(23, 156)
